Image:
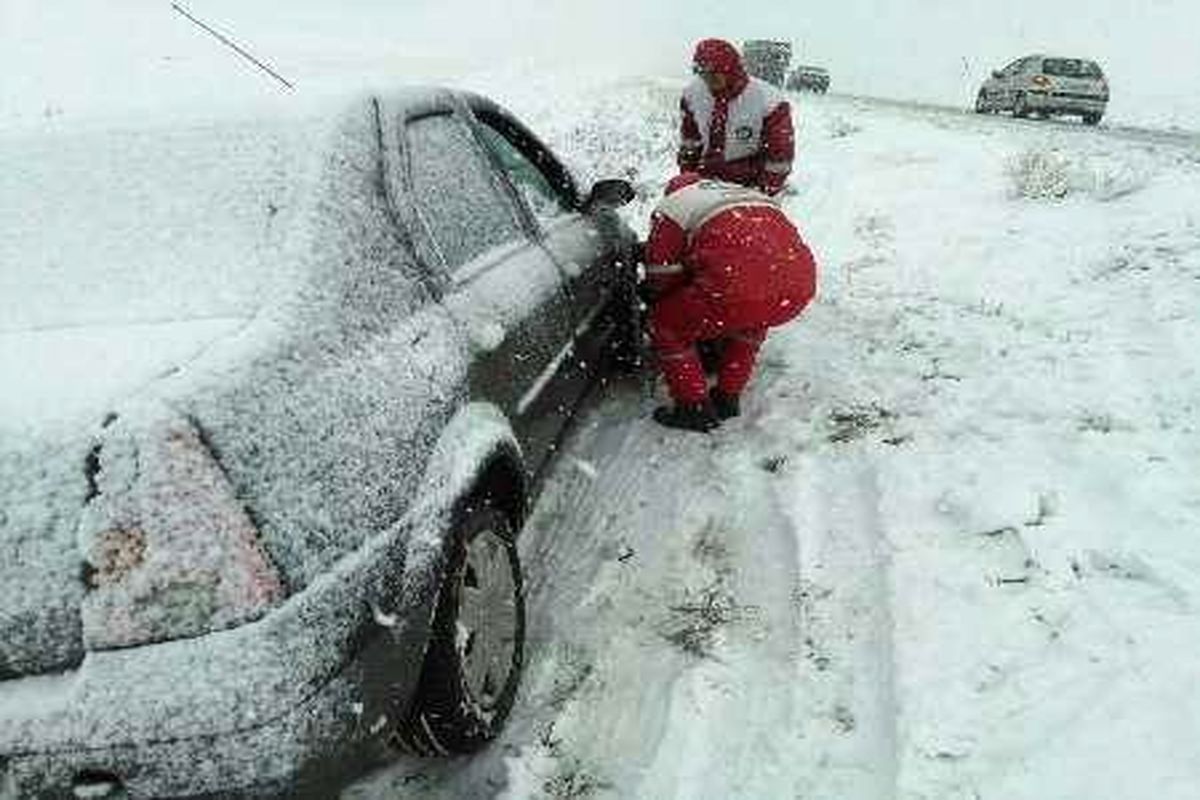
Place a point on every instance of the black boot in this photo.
(688, 416)
(726, 405)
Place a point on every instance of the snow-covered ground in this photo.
(948, 551)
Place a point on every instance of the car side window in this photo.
(459, 204)
(535, 188)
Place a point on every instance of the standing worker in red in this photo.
(724, 263)
(734, 127)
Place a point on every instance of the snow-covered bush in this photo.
(1107, 178)
(1047, 173)
(1039, 174)
(839, 127)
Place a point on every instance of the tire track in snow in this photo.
(847, 615)
(831, 496)
(693, 694)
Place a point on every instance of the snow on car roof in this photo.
(158, 223)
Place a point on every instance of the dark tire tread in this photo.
(443, 720)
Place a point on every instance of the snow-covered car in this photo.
(1046, 86)
(277, 393)
(806, 78)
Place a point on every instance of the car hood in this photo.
(58, 386)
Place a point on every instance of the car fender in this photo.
(476, 452)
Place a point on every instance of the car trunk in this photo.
(62, 384)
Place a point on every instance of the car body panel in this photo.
(350, 413)
(1039, 84)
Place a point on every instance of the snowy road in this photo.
(948, 552)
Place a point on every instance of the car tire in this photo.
(629, 345)
(1020, 109)
(476, 648)
(1092, 119)
(981, 103)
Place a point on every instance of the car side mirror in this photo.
(995, 73)
(609, 193)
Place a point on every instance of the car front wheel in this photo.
(981, 103)
(1091, 119)
(629, 345)
(473, 662)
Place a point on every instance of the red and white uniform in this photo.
(743, 134)
(724, 263)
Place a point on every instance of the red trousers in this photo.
(686, 316)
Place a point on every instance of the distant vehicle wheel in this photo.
(1092, 119)
(981, 103)
(1020, 108)
(473, 664)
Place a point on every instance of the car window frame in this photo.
(430, 246)
(534, 151)
(1012, 69)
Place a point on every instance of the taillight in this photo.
(169, 551)
(1041, 81)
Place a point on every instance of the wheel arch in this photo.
(477, 454)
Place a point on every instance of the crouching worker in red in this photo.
(723, 263)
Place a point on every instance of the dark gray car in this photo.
(1046, 86)
(807, 78)
(287, 546)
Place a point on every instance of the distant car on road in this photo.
(1046, 86)
(767, 59)
(353, 338)
(807, 78)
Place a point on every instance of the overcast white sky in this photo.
(54, 54)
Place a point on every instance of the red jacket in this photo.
(743, 134)
(736, 246)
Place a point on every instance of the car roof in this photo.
(217, 202)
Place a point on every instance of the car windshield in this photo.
(117, 227)
(1071, 68)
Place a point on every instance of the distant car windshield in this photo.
(1071, 68)
(107, 227)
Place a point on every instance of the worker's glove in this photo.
(688, 157)
(637, 252)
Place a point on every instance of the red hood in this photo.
(719, 55)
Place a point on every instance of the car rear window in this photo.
(156, 223)
(1071, 68)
